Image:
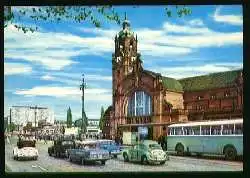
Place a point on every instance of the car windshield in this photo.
(154, 146)
(67, 143)
(90, 146)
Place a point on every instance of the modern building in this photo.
(149, 101)
(93, 122)
(21, 115)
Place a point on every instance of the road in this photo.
(45, 163)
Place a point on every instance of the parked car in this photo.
(146, 152)
(113, 148)
(25, 149)
(60, 147)
(87, 151)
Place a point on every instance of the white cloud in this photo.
(195, 22)
(229, 19)
(47, 77)
(174, 28)
(188, 71)
(71, 93)
(16, 68)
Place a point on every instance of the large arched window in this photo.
(139, 104)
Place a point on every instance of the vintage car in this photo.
(88, 151)
(25, 149)
(110, 145)
(146, 152)
(60, 147)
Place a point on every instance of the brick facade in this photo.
(171, 100)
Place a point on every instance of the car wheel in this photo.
(115, 156)
(103, 162)
(230, 153)
(35, 158)
(144, 160)
(179, 149)
(163, 162)
(125, 156)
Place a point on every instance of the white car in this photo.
(25, 150)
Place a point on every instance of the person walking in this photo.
(45, 139)
(8, 140)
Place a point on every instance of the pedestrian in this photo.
(121, 140)
(8, 140)
(45, 141)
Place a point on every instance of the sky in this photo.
(45, 68)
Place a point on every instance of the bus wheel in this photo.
(179, 149)
(230, 153)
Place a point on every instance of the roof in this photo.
(171, 84)
(108, 110)
(168, 83)
(219, 122)
(210, 81)
(153, 74)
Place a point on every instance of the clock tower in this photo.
(125, 59)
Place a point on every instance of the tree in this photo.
(101, 122)
(11, 127)
(78, 122)
(92, 14)
(69, 118)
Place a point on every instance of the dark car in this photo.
(60, 147)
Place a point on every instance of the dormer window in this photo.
(227, 94)
(212, 96)
(199, 97)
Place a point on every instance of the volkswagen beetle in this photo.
(25, 149)
(146, 152)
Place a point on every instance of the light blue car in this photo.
(110, 145)
(87, 151)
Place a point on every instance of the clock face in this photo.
(130, 69)
(118, 59)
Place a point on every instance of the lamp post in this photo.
(84, 119)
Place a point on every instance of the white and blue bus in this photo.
(223, 137)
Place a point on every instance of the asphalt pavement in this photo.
(45, 163)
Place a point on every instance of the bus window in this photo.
(178, 131)
(238, 129)
(169, 131)
(187, 131)
(196, 130)
(228, 129)
(205, 130)
(216, 130)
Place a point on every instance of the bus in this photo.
(224, 137)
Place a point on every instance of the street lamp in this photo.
(84, 119)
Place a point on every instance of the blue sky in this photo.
(44, 68)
